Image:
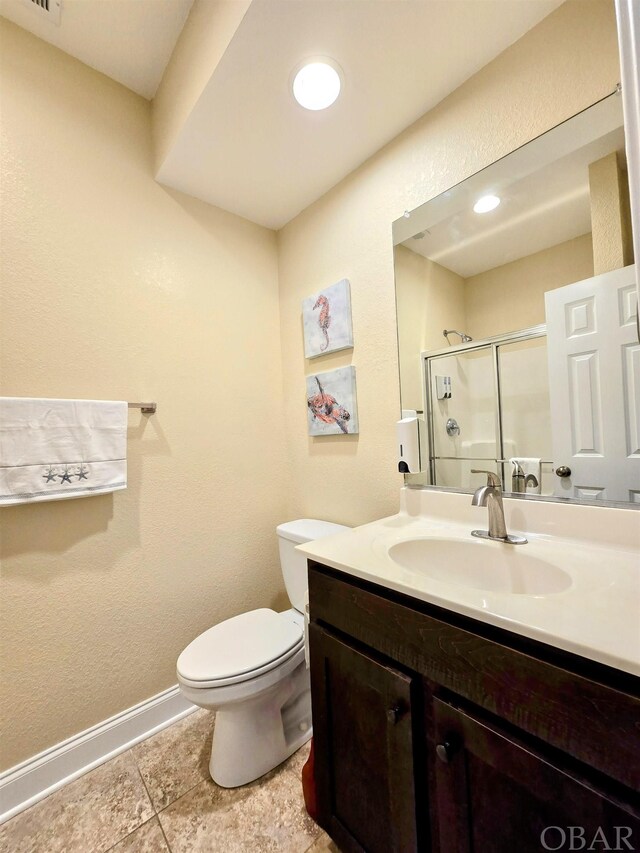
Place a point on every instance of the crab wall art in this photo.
(331, 402)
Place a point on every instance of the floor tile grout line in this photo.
(164, 834)
(144, 785)
(155, 808)
(153, 805)
(159, 810)
(129, 834)
(184, 794)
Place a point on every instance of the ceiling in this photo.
(246, 146)
(128, 40)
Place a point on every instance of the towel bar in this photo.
(145, 408)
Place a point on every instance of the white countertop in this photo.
(597, 616)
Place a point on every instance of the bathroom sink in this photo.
(480, 564)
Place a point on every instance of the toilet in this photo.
(251, 670)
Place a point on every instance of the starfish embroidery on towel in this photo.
(82, 473)
(50, 475)
(66, 477)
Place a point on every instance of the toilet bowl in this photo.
(251, 671)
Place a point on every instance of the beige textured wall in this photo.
(204, 38)
(560, 67)
(113, 287)
(610, 214)
(511, 296)
(429, 299)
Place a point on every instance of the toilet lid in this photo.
(238, 645)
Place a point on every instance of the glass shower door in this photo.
(462, 410)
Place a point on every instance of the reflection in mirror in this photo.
(470, 400)
(517, 320)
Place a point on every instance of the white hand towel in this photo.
(530, 465)
(56, 449)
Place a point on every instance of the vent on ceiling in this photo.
(46, 9)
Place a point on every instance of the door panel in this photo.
(495, 794)
(594, 362)
(362, 717)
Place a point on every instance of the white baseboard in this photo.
(27, 783)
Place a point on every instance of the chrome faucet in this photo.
(517, 478)
(491, 497)
(519, 482)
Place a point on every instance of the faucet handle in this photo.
(492, 478)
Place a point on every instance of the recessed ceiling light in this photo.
(316, 85)
(486, 203)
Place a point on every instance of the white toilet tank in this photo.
(293, 563)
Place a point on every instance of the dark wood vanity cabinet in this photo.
(494, 793)
(434, 732)
(365, 779)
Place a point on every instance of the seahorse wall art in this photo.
(326, 318)
(331, 402)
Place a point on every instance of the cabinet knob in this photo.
(563, 471)
(394, 713)
(445, 751)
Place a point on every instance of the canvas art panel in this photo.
(326, 319)
(332, 407)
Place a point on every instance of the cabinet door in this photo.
(363, 735)
(495, 794)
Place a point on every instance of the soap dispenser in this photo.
(408, 435)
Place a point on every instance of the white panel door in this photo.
(594, 386)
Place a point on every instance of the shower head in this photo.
(463, 337)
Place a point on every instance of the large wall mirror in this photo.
(517, 307)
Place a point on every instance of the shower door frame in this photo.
(491, 343)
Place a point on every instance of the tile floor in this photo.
(159, 797)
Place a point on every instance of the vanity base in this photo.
(437, 732)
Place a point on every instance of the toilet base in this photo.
(252, 737)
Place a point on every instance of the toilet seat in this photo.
(241, 648)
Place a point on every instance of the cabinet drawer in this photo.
(594, 722)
